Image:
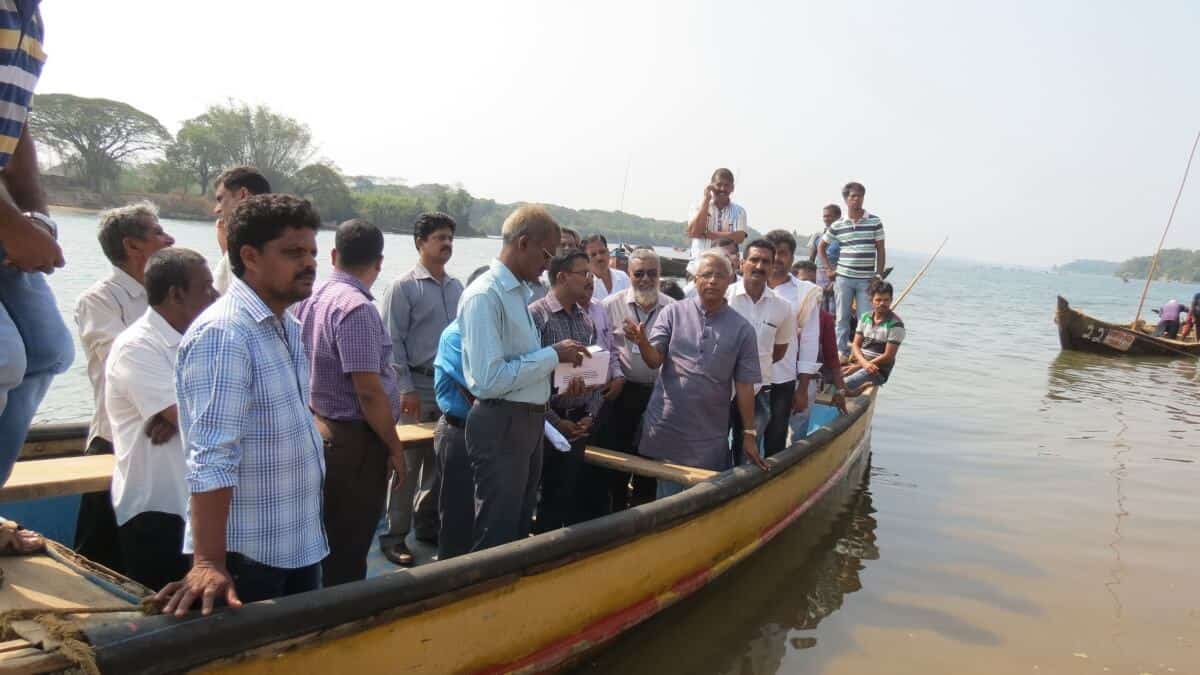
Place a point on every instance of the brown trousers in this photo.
(356, 475)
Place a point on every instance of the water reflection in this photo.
(750, 620)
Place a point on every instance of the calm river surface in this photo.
(1023, 510)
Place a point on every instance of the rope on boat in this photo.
(70, 642)
(1137, 317)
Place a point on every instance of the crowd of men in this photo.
(254, 419)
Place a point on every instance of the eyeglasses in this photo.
(711, 276)
(639, 274)
(587, 274)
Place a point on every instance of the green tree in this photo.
(95, 136)
(325, 186)
(197, 149)
(233, 134)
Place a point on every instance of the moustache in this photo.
(306, 276)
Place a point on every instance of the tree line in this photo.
(109, 146)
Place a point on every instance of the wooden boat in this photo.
(1079, 332)
(529, 606)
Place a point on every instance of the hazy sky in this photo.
(1030, 132)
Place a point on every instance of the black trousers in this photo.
(456, 500)
(504, 445)
(356, 488)
(152, 548)
(775, 436)
(255, 581)
(96, 526)
(560, 504)
(619, 431)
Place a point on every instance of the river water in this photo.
(1023, 510)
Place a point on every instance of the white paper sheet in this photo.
(594, 371)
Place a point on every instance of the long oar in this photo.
(920, 274)
(1154, 261)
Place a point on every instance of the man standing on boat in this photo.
(128, 237)
(608, 279)
(573, 411)
(416, 309)
(508, 372)
(716, 217)
(231, 188)
(255, 456)
(829, 215)
(149, 486)
(355, 398)
(706, 350)
(794, 377)
(640, 304)
(862, 258)
(35, 344)
(774, 324)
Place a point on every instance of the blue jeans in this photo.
(861, 377)
(666, 488)
(845, 290)
(35, 345)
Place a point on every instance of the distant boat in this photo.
(1079, 332)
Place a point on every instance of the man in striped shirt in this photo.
(861, 259)
(35, 344)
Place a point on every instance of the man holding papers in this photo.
(576, 397)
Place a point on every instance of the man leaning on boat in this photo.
(254, 453)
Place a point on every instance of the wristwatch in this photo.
(45, 221)
(751, 432)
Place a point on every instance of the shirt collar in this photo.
(740, 289)
(507, 280)
(422, 272)
(131, 285)
(245, 297)
(350, 279)
(695, 300)
(555, 306)
(165, 330)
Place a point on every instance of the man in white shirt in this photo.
(772, 319)
(128, 236)
(149, 489)
(716, 217)
(608, 280)
(231, 188)
(793, 378)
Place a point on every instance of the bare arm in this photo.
(778, 352)
(744, 396)
(27, 246)
(22, 178)
(377, 409)
(821, 253)
(636, 332)
(208, 578)
(698, 225)
(880, 257)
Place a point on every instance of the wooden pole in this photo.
(1137, 317)
(921, 273)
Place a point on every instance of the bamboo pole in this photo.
(921, 273)
(1137, 317)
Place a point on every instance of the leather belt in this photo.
(536, 408)
(456, 422)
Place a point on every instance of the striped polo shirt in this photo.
(856, 259)
(21, 60)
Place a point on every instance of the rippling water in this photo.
(1023, 510)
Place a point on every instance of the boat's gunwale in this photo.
(147, 644)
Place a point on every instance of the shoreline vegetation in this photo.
(99, 153)
(1174, 264)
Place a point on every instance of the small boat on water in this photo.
(529, 606)
(1079, 332)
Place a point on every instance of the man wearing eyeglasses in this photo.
(706, 349)
(641, 304)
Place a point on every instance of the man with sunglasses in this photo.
(641, 304)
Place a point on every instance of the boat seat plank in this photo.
(57, 477)
(641, 466)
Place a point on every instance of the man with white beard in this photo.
(639, 303)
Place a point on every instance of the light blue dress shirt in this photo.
(503, 357)
(242, 383)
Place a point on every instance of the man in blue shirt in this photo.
(508, 371)
(456, 499)
(255, 459)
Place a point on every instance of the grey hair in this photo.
(718, 255)
(531, 220)
(646, 255)
(132, 220)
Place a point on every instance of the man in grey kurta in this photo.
(708, 354)
(416, 309)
